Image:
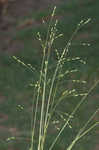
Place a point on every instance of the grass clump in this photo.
(50, 92)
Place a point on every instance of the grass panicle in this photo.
(48, 93)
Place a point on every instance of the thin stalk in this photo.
(47, 118)
(45, 81)
(32, 128)
(90, 119)
(80, 134)
(54, 76)
(65, 51)
(94, 125)
(38, 94)
(73, 143)
(72, 114)
(41, 133)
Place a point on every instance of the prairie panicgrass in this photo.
(48, 87)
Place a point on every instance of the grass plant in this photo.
(49, 92)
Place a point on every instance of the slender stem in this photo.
(81, 133)
(72, 114)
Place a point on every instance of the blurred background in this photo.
(19, 23)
